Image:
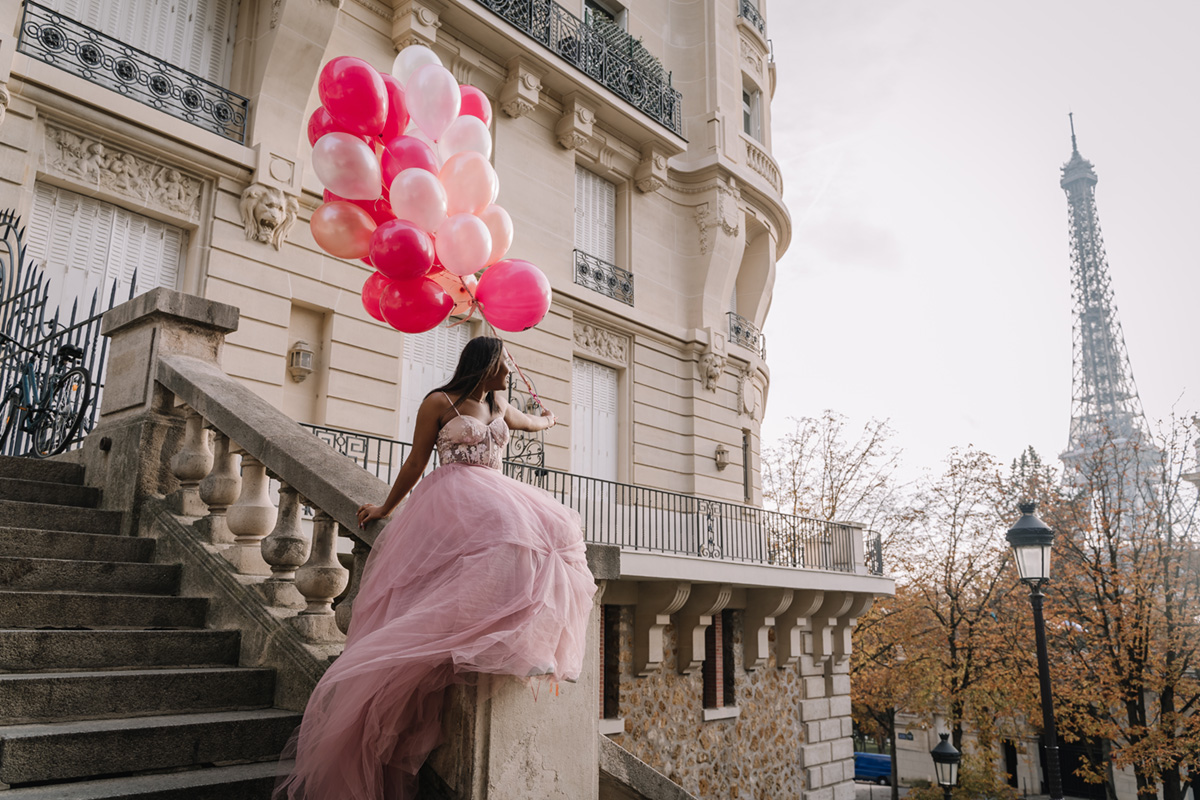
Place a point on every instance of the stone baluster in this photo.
(219, 490)
(190, 465)
(250, 519)
(321, 579)
(285, 549)
(346, 606)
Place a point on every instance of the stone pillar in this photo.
(128, 454)
(250, 519)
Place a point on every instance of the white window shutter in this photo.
(595, 215)
(429, 362)
(594, 420)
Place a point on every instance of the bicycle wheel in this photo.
(10, 416)
(61, 412)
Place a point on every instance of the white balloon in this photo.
(433, 99)
(410, 59)
(346, 166)
(465, 133)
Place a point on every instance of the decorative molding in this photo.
(763, 606)
(462, 69)
(725, 214)
(379, 9)
(711, 367)
(656, 602)
(267, 214)
(651, 173)
(750, 55)
(521, 92)
(747, 393)
(413, 22)
(4, 101)
(791, 626)
(90, 161)
(602, 342)
(574, 128)
(693, 620)
(276, 8)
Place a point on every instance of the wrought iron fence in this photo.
(70, 45)
(655, 520)
(25, 316)
(604, 52)
(745, 333)
(603, 277)
(748, 11)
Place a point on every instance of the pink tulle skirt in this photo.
(476, 573)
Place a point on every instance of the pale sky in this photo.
(928, 278)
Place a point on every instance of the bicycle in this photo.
(47, 402)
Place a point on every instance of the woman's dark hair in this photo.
(482, 357)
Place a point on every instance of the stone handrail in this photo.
(761, 162)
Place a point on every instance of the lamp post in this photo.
(1031, 540)
(945, 764)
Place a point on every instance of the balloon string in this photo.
(476, 304)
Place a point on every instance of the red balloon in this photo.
(513, 295)
(401, 250)
(406, 152)
(371, 292)
(354, 94)
(397, 115)
(379, 210)
(475, 103)
(414, 306)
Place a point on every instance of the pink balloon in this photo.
(461, 290)
(414, 306)
(433, 99)
(401, 250)
(347, 166)
(418, 196)
(513, 295)
(470, 183)
(500, 226)
(463, 244)
(406, 152)
(465, 134)
(354, 95)
(379, 209)
(320, 123)
(342, 229)
(475, 103)
(397, 115)
(371, 291)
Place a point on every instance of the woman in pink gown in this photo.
(477, 573)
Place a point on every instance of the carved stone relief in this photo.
(601, 342)
(4, 100)
(751, 56)
(267, 214)
(711, 367)
(521, 92)
(97, 164)
(724, 214)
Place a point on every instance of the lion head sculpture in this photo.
(267, 214)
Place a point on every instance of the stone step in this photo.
(59, 494)
(50, 517)
(240, 782)
(46, 697)
(66, 610)
(36, 469)
(94, 748)
(37, 543)
(48, 574)
(23, 650)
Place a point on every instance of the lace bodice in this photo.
(466, 440)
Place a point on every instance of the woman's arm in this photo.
(425, 432)
(517, 420)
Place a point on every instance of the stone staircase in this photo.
(110, 686)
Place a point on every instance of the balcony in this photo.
(748, 11)
(746, 334)
(638, 518)
(603, 277)
(62, 42)
(603, 52)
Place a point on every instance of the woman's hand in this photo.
(368, 512)
(548, 415)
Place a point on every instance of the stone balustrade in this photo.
(761, 162)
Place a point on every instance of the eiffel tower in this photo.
(1106, 411)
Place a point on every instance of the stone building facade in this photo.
(633, 146)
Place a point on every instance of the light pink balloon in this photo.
(500, 226)
(433, 99)
(342, 229)
(347, 166)
(461, 290)
(410, 59)
(470, 183)
(417, 196)
(466, 134)
(463, 244)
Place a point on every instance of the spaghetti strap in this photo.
(452, 404)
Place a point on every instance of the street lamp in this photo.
(945, 764)
(1031, 540)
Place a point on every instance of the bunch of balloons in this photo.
(410, 190)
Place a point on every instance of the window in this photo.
(610, 661)
(598, 13)
(752, 112)
(429, 361)
(595, 215)
(85, 245)
(719, 689)
(593, 420)
(194, 35)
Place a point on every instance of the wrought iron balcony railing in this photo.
(653, 520)
(745, 333)
(749, 12)
(603, 52)
(603, 277)
(72, 46)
